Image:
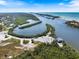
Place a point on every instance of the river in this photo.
(69, 34)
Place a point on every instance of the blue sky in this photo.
(39, 5)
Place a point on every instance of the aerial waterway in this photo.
(63, 31)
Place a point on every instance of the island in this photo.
(73, 23)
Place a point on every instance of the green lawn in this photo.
(22, 19)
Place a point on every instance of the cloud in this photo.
(8, 3)
(40, 8)
(72, 6)
(20, 6)
(61, 3)
(3, 2)
(74, 3)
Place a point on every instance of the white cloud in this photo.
(72, 6)
(29, 7)
(7, 3)
(40, 8)
(3, 2)
(61, 3)
(74, 3)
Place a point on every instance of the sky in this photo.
(39, 5)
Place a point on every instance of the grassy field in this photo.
(20, 21)
(23, 19)
(10, 50)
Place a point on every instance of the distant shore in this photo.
(48, 16)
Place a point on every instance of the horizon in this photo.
(39, 6)
(39, 12)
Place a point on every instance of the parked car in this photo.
(59, 42)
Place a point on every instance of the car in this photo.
(59, 42)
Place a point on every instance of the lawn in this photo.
(23, 19)
(20, 20)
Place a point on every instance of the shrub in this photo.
(25, 41)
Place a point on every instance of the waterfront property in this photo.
(37, 41)
(19, 44)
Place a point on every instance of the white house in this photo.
(2, 36)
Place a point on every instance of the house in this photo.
(2, 36)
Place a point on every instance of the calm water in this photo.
(67, 15)
(31, 31)
(67, 33)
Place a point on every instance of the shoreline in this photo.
(38, 35)
(46, 50)
(26, 26)
(72, 47)
(73, 23)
